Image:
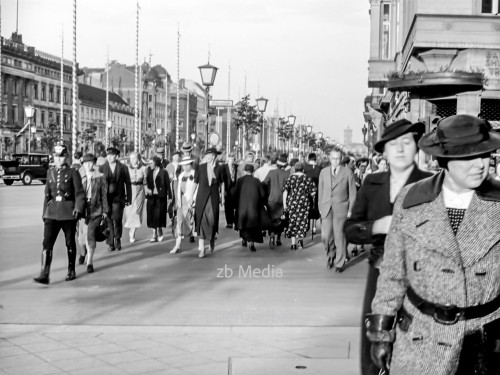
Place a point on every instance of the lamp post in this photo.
(159, 131)
(208, 73)
(30, 112)
(261, 106)
(237, 149)
(291, 121)
(109, 125)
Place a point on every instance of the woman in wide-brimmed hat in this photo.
(208, 178)
(372, 212)
(184, 202)
(440, 272)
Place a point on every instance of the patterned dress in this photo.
(133, 213)
(300, 190)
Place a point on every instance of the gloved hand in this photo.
(381, 353)
(76, 213)
(104, 215)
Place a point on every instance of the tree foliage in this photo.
(247, 118)
(50, 136)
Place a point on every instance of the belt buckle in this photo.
(59, 198)
(447, 314)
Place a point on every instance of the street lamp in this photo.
(309, 129)
(30, 112)
(109, 125)
(261, 106)
(208, 73)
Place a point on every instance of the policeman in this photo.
(63, 204)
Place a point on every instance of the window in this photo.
(65, 121)
(51, 94)
(35, 89)
(25, 89)
(150, 97)
(385, 32)
(65, 98)
(42, 118)
(58, 96)
(16, 86)
(490, 6)
(4, 85)
(51, 117)
(44, 88)
(58, 119)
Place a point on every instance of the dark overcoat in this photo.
(119, 187)
(273, 183)
(422, 251)
(373, 203)
(250, 198)
(162, 181)
(206, 191)
(63, 194)
(312, 171)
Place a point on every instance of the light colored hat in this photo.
(186, 160)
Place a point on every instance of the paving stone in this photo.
(39, 369)
(84, 363)
(44, 347)
(284, 366)
(9, 351)
(105, 370)
(102, 349)
(57, 355)
(121, 357)
(20, 360)
(209, 369)
(162, 351)
(333, 351)
(143, 366)
(183, 361)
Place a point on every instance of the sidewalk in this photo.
(175, 350)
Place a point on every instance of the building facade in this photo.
(433, 58)
(92, 119)
(32, 77)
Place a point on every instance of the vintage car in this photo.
(25, 168)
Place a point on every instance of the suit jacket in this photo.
(205, 192)
(162, 183)
(119, 187)
(373, 203)
(98, 202)
(343, 187)
(422, 251)
(229, 184)
(63, 194)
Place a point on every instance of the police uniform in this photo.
(64, 202)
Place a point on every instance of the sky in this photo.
(308, 57)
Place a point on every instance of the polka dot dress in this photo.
(456, 216)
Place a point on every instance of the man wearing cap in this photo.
(119, 195)
(336, 196)
(209, 180)
(440, 272)
(63, 205)
(372, 212)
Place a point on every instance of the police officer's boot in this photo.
(71, 264)
(44, 273)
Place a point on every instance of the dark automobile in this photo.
(25, 168)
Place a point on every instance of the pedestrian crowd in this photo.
(432, 297)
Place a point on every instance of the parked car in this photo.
(25, 168)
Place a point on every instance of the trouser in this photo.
(367, 365)
(51, 230)
(332, 233)
(115, 219)
(229, 210)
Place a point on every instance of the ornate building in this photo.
(433, 58)
(32, 77)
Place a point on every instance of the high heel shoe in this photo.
(300, 243)
(294, 247)
(175, 250)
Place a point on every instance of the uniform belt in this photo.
(450, 314)
(137, 183)
(63, 198)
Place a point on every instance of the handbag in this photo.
(102, 231)
(491, 340)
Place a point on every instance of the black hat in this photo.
(362, 160)
(177, 153)
(396, 130)
(283, 159)
(89, 157)
(460, 136)
(160, 150)
(249, 167)
(60, 150)
(311, 156)
(212, 150)
(113, 151)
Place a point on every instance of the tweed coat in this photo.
(98, 202)
(422, 251)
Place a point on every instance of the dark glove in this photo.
(76, 214)
(381, 353)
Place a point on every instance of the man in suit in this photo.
(230, 171)
(336, 196)
(119, 195)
